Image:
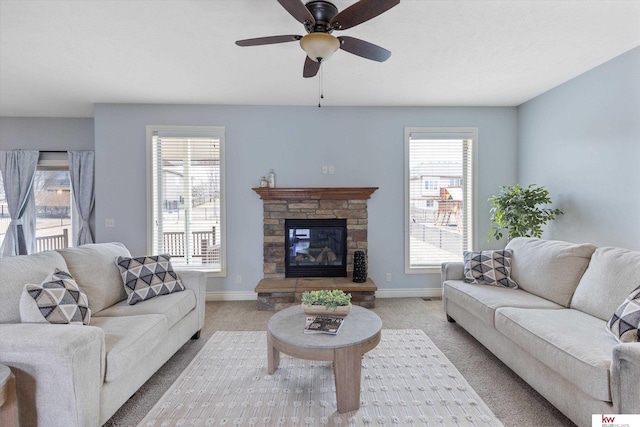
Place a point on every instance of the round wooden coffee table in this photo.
(359, 333)
(8, 404)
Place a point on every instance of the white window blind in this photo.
(186, 197)
(439, 196)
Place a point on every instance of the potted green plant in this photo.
(335, 302)
(516, 210)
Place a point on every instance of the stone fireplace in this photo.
(339, 203)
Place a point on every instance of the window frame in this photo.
(185, 131)
(470, 133)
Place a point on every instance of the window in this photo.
(52, 192)
(53, 203)
(431, 185)
(439, 192)
(186, 196)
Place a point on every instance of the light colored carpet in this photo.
(405, 380)
(509, 397)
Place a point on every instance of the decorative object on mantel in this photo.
(263, 183)
(359, 267)
(271, 178)
(335, 302)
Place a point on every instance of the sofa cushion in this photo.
(96, 273)
(624, 323)
(575, 345)
(58, 299)
(128, 340)
(482, 301)
(489, 268)
(612, 274)
(17, 271)
(550, 269)
(147, 277)
(174, 307)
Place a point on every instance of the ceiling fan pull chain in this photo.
(320, 86)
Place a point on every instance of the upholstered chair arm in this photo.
(197, 282)
(452, 271)
(625, 388)
(59, 370)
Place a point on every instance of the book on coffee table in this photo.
(322, 324)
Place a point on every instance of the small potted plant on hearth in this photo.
(334, 302)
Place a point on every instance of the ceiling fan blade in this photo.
(298, 10)
(360, 12)
(311, 67)
(268, 40)
(364, 49)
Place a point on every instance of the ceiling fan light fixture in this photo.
(319, 46)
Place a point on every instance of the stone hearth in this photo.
(350, 203)
(276, 294)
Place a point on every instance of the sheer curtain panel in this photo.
(81, 166)
(18, 168)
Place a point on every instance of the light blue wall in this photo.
(581, 140)
(46, 134)
(365, 145)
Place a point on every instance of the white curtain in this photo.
(18, 168)
(81, 164)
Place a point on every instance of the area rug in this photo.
(406, 381)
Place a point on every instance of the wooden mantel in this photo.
(315, 193)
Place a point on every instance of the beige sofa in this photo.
(552, 330)
(79, 375)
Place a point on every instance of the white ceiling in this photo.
(58, 58)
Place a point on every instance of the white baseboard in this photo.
(380, 293)
(231, 296)
(408, 293)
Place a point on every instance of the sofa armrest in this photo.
(197, 282)
(59, 370)
(625, 388)
(452, 271)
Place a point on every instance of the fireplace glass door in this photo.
(316, 247)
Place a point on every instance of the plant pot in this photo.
(321, 309)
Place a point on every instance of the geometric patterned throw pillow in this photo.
(147, 277)
(625, 321)
(489, 268)
(58, 299)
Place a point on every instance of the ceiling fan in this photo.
(320, 18)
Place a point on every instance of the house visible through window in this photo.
(52, 192)
(53, 205)
(439, 208)
(186, 203)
